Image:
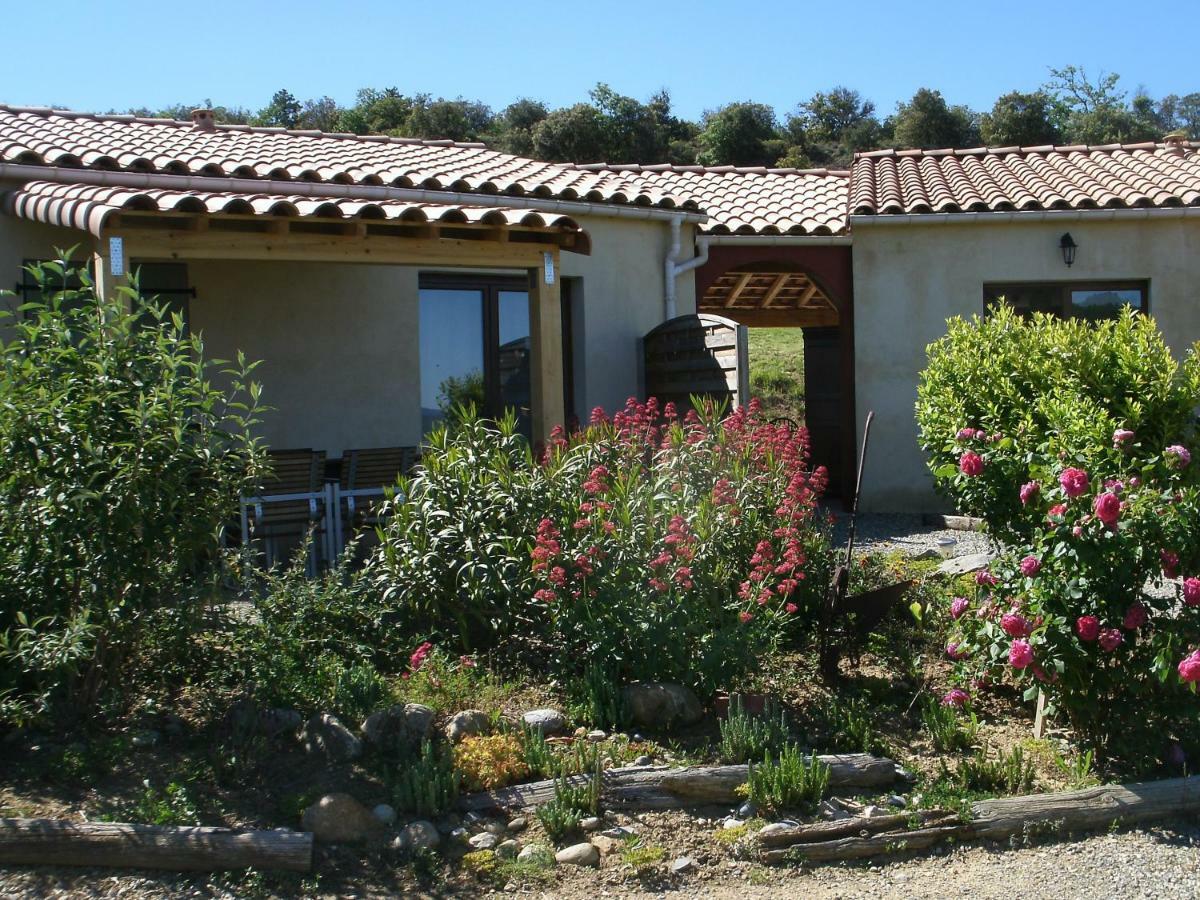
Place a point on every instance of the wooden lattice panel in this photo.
(775, 298)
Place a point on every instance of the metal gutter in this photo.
(158, 180)
(778, 240)
(1020, 216)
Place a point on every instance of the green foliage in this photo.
(598, 698)
(640, 856)
(1020, 120)
(793, 781)
(927, 121)
(948, 730)
(850, 726)
(1079, 769)
(120, 466)
(167, 805)
(1003, 773)
(574, 798)
(427, 785)
(637, 548)
(745, 737)
(558, 819)
(739, 134)
(777, 371)
(539, 755)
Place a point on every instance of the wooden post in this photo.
(107, 282)
(546, 356)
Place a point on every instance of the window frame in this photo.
(992, 290)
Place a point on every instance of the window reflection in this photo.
(451, 352)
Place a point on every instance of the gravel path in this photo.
(908, 534)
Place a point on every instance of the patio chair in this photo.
(292, 504)
(365, 473)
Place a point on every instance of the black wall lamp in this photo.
(1067, 245)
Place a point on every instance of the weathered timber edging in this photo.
(54, 842)
(1060, 813)
(662, 787)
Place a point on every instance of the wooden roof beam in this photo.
(740, 286)
(774, 290)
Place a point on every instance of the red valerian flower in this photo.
(419, 656)
(956, 698)
(1177, 456)
(958, 606)
(745, 617)
(1121, 437)
(1170, 563)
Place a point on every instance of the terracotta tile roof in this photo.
(48, 137)
(754, 200)
(1025, 178)
(88, 207)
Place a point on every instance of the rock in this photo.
(683, 866)
(607, 845)
(449, 822)
(661, 704)
(961, 565)
(747, 810)
(873, 812)
(468, 723)
(459, 835)
(591, 823)
(578, 855)
(619, 833)
(384, 813)
(420, 835)
(495, 828)
(518, 824)
(247, 716)
(398, 729)
(474, 817)
(597, 736)
(773, 828)
(325, 735)
(897, 801)
(507, 850)
(484, 841)
(547, 721)
(832, 811)
(537, 855)
(644, 760)
(144, 739)
(731, 822)
(339, 819)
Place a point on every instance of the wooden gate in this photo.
(702, 354)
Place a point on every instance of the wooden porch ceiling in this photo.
(770, 299)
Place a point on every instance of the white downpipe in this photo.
(672, 269)
(151, 180)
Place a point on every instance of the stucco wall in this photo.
(20, 240)
(908, 279)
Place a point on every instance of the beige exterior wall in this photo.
(908, 279)
(339, 343)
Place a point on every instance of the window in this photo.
(1070, 299)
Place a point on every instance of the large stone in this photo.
(398, 729)
(485, 840)
(419, 835)
(325, 735)
(547, 721)
(962, 565)
(537, 855)
(507, 849)
(467, 723)
(578, 855)
(340, 819)
(662, 705)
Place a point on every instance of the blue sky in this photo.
(120, 53)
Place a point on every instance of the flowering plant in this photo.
(1082, 433)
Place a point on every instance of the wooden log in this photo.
(53, 842)
(827, 831)
(1089, 808)
(661, 787)
(874, 845)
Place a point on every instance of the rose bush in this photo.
(644, 545)
(1077, 437)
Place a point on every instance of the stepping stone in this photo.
(961, 565)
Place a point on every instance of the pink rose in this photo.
(1020, 654)
(1107, 508)
(1121, 437)
(1189, 668)
(1135, 617)
(1029, 491)
(984, 578)
(1177, 456)
(1056, 512)
(1111, 639)
(1030, 566)
(1191, 592)
(1087, 627)
(956, 697)
(1074, 482)
(956, 651)
(965, 434)
(1015, 625)
(970, 464)
(1077, 531)
(1170, 563)
(958, 606)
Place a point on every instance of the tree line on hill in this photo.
(827, 129)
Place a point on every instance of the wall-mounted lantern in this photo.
(1067, 245)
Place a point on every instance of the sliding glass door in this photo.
(474, 344)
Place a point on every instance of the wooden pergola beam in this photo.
(804, 298)
(781, 317)
(774, 290)
(738, 287)
(545, 343)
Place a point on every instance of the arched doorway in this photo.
(804, 287)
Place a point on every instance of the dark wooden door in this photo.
(703, 354)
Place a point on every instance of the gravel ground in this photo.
(886, 532)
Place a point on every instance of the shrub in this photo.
(948, 730)
(491, 761)
(745, 737)
(121, 463)
(641, 547)
(1071, 440)
(791, 782)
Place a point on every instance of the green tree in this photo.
(282, 112)
(513, 128)
(572, 134)
(376, 112)
(740, 134)
(829, 128)
(322, 114)
(441, 119)
(1020, 120)
(1095, 111)
(928, 122)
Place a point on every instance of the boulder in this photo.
(547, 721)
(340, 819)
(385, 813)
(325, 735)
(419, 835)
(507, 850)
(537, 855)
(517, 824)
(578, 855)
(467, 723)
(247, 716)
(485, 840)
(662, 705)
(398, 729)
